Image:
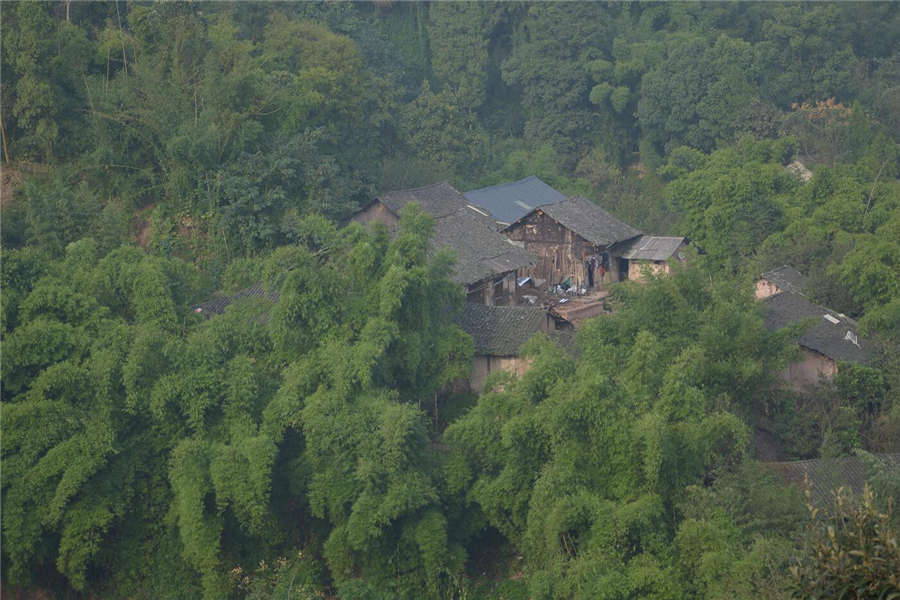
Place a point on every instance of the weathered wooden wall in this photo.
(561, 252)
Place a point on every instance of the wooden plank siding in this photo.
(561, 252)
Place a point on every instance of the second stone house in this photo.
(829, 339)
(499, 332)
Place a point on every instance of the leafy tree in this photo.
(731, 204)
(82, 459)
(459, 40)
(696, 96)
(851, 551)
(442, 132)
(555, 87)
(580, 462)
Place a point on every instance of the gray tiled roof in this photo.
(217, 305)
(481, 251)
(650, 247)
(828, 474)
(589, 221)
(787, 278)
(438, 200)
(500, 330)
(510, 201)
(824, 336)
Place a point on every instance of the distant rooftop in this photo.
(438, 199)
(787, 278)
(500, 330)
(510, 201)
(831, 334)
(217, 304)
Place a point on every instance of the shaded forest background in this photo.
(155, 153)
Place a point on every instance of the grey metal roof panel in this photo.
(500, 330)
(589, 221)
(829, 332)
(786, 278)
(651, 247)
(510, 201)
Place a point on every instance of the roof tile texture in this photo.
(481, 252)
(824, 336)
(589, 221)
(500, 330)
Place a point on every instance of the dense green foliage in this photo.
(309, 443)
(591, 466)
(853, 552)
(208, 432)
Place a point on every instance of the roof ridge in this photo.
(496, 307)
(802, 461)
(423, 187)
(507, 183)
(811, 301)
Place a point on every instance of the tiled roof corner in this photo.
(589, 221)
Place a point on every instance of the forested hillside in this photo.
(311, 441)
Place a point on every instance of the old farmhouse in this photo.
(578, 242)
(830, 339)
(487, 263)
(572, 240)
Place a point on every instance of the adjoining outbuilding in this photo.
(649, 253)
(487, 263)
